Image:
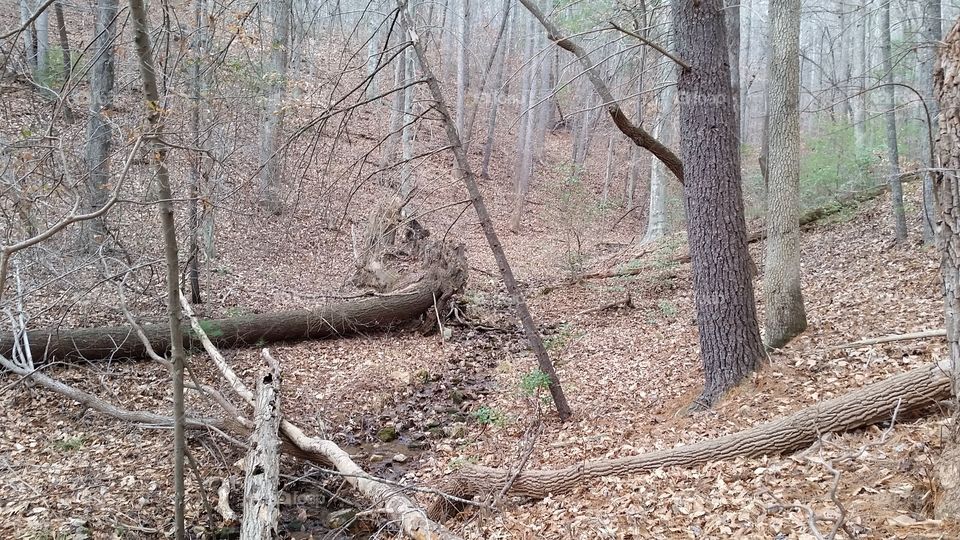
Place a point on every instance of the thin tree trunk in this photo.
(859, 74)
(407, 182)
(731, 15)
(193, 263)
(664, 132)
(608, 173)
(497, 96)
(746, 38)
(486, 223)
(890, 117)
(153, 110)
(730, 343)
(29, 42)
(785, 314)
(42, 25)
(396, 121)
(275, 90)
(99, 130)
(527, 131)
(463, 66)
(67, 61)
(947, 190)
(932, 32)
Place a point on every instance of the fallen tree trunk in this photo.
(366, 314)
(912, 391)
(807, 219)
(261, 496)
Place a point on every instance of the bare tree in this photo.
(275, 84)
(931, 33)
(890, 121)
(785, 314)
(151, 100)
(99, 127)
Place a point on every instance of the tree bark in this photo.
(890, 117)
(916, 390)
(931, 33)
(664, 131)
(67, 61)
(486, 223)
(261, 496)
(99, 130)
(730, 344)
(275, 92)
(785, 314)
(330, 321)
(947, 190)
(860, 73)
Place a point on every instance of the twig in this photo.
(626, 302)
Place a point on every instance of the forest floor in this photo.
(465, 397)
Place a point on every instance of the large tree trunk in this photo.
(664, 132)
(730, 344)
(909, 392)
(330, 321)
(99, 130)
(890, 117)
(947, 189)
(785, 314)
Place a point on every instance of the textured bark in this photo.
(637, 134)
(730, 344)
(785, 314)
(890, 121)
(275, 88)
(261, 495)
(931, 33)
(486, 223)
(330, 321)
(99, 130)
(916, 390)
(947, 189)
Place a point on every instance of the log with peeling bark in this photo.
(445, 275)
(912, 391)
(261, 496)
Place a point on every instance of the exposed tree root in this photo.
(912, 391)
